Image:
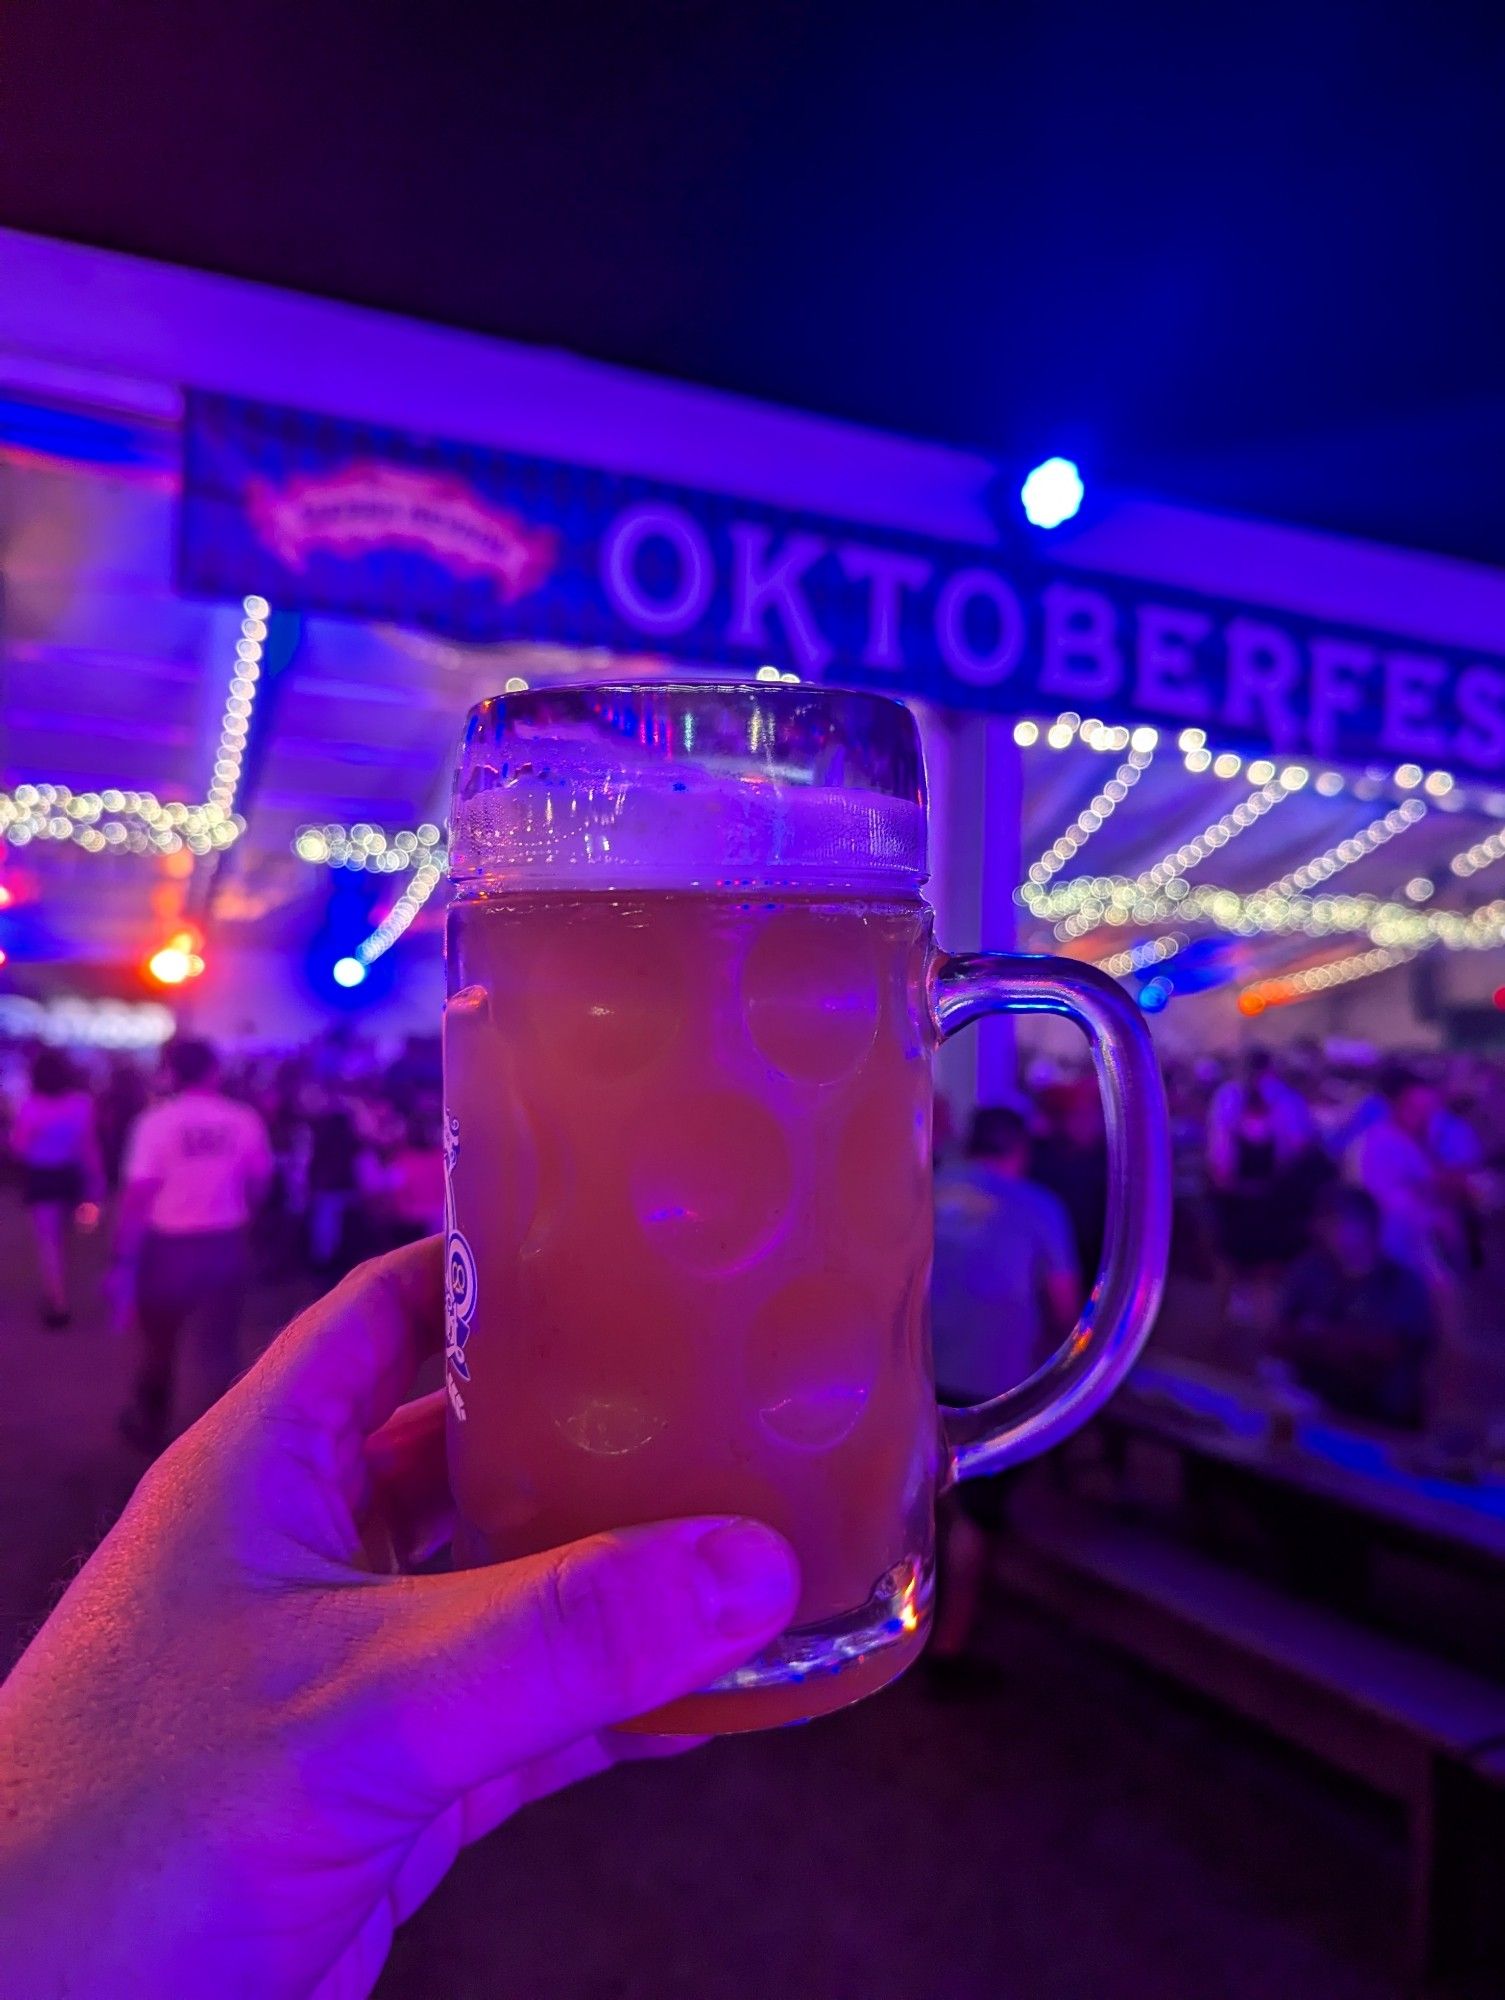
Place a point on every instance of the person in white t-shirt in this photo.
(1396, 1161)
(197, 1166)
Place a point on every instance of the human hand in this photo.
(246, 1745)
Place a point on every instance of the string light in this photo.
(1192, 853)
(1153, 951)
(365, 846)
(1088, 903)
(114, 821)
(100, 1024)
(1093, 816)
(1480, 855)
(426, 879)
(240, 699)
(121, 820)
(1281, 991)
(1322, 867)
(1114, 901)
(1201, 757)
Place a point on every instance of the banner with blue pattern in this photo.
(322, 514)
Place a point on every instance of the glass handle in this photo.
(1089, 1365)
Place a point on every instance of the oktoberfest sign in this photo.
(324, 515)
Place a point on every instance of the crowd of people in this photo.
(1332, 1212)
(215, 1173)
(1339, 1205)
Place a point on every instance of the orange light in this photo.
(170, 966)
(1250, 1002)
(909, 1617)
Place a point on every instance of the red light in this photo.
(169, 966)
(1500, 998)
(4, 957)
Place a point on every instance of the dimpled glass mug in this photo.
(693, 1002)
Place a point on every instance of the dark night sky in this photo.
(1249, 256)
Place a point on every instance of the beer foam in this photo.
(557, 811)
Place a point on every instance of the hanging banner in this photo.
(325, 515)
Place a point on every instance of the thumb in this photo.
(487, 1668)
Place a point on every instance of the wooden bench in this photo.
(1407, 1724)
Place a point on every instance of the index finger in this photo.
(346, 1362)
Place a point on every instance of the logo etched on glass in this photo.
(459, 1278)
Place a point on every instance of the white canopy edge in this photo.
(127, 333)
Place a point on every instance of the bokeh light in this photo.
(170, 966)
(1052, 493)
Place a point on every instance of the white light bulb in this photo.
(1052, 493)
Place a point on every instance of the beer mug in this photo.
(693, 1002)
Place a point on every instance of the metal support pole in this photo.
(976, 789)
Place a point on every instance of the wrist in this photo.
(74, 1911)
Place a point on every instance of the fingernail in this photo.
(752, 1577)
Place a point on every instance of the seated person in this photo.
(1356, 1326)
(1004, 1294)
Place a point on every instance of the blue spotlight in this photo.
(1052, 493)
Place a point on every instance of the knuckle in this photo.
(599, 1628)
